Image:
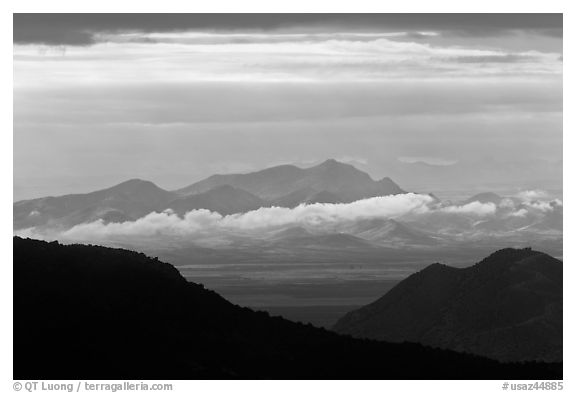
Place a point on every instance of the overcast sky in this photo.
(99, 99)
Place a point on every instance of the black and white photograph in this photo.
(287, 196)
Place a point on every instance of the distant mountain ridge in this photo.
(223, 199)
(507, 307)
(379, 229)
(126, 201)
(484, 197)
(283, 186)
(341, 181)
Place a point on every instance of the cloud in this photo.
(271, 57)
(203, 221)
(476, 208)
(519, 213)
(199, 224)
(499, 58)
(80, 29)
(531, 203)
(531, 195)
(156, 104)
(544, 206)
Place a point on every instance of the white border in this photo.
(306, 6)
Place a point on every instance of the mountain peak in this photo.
(390, 186)
(513, 296)
(506, 257)
(485, 197)
(331, 163)
(436, 267)
(134, 183)
(331, 166)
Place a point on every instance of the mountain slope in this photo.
(388, 230)
(307, 195)
(88, 312)
(484, 197)
(222, 199)
(269, 183)
(129, 200)
(333, 241)
(507, 307)
(344, 183)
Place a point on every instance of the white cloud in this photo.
(531, 195)
(519, 213)
(475, 208)
(203, 221)
(544, 206)
(198, 224)
(200, 57)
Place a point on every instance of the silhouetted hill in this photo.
(222, 199)
(343, 182)
(88, 312)
(507, 307)
(126, 201)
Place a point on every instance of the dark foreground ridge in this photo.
(507, 307)
(88, 312)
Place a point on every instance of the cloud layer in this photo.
(81, 29)
(224, 57)
(203, 225)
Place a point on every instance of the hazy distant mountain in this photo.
(307, 195)
(76, 305)
(285, 186)
(343, 182)
(126, 201)
(359, 234)
(507, 307)
(332, 241)
(223, 199)
(484, 197)
(479, 174)
(388, 230)
(288, 233)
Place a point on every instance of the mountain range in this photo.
(283, 186)
(335, 230)
(126, 201)
(90, 312)
(334, 179)
(507, 307)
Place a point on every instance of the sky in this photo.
(174, 98)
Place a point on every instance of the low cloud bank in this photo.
(198, 224)
(203, 221)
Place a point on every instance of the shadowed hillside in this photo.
(89, 312)
(507, 307)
